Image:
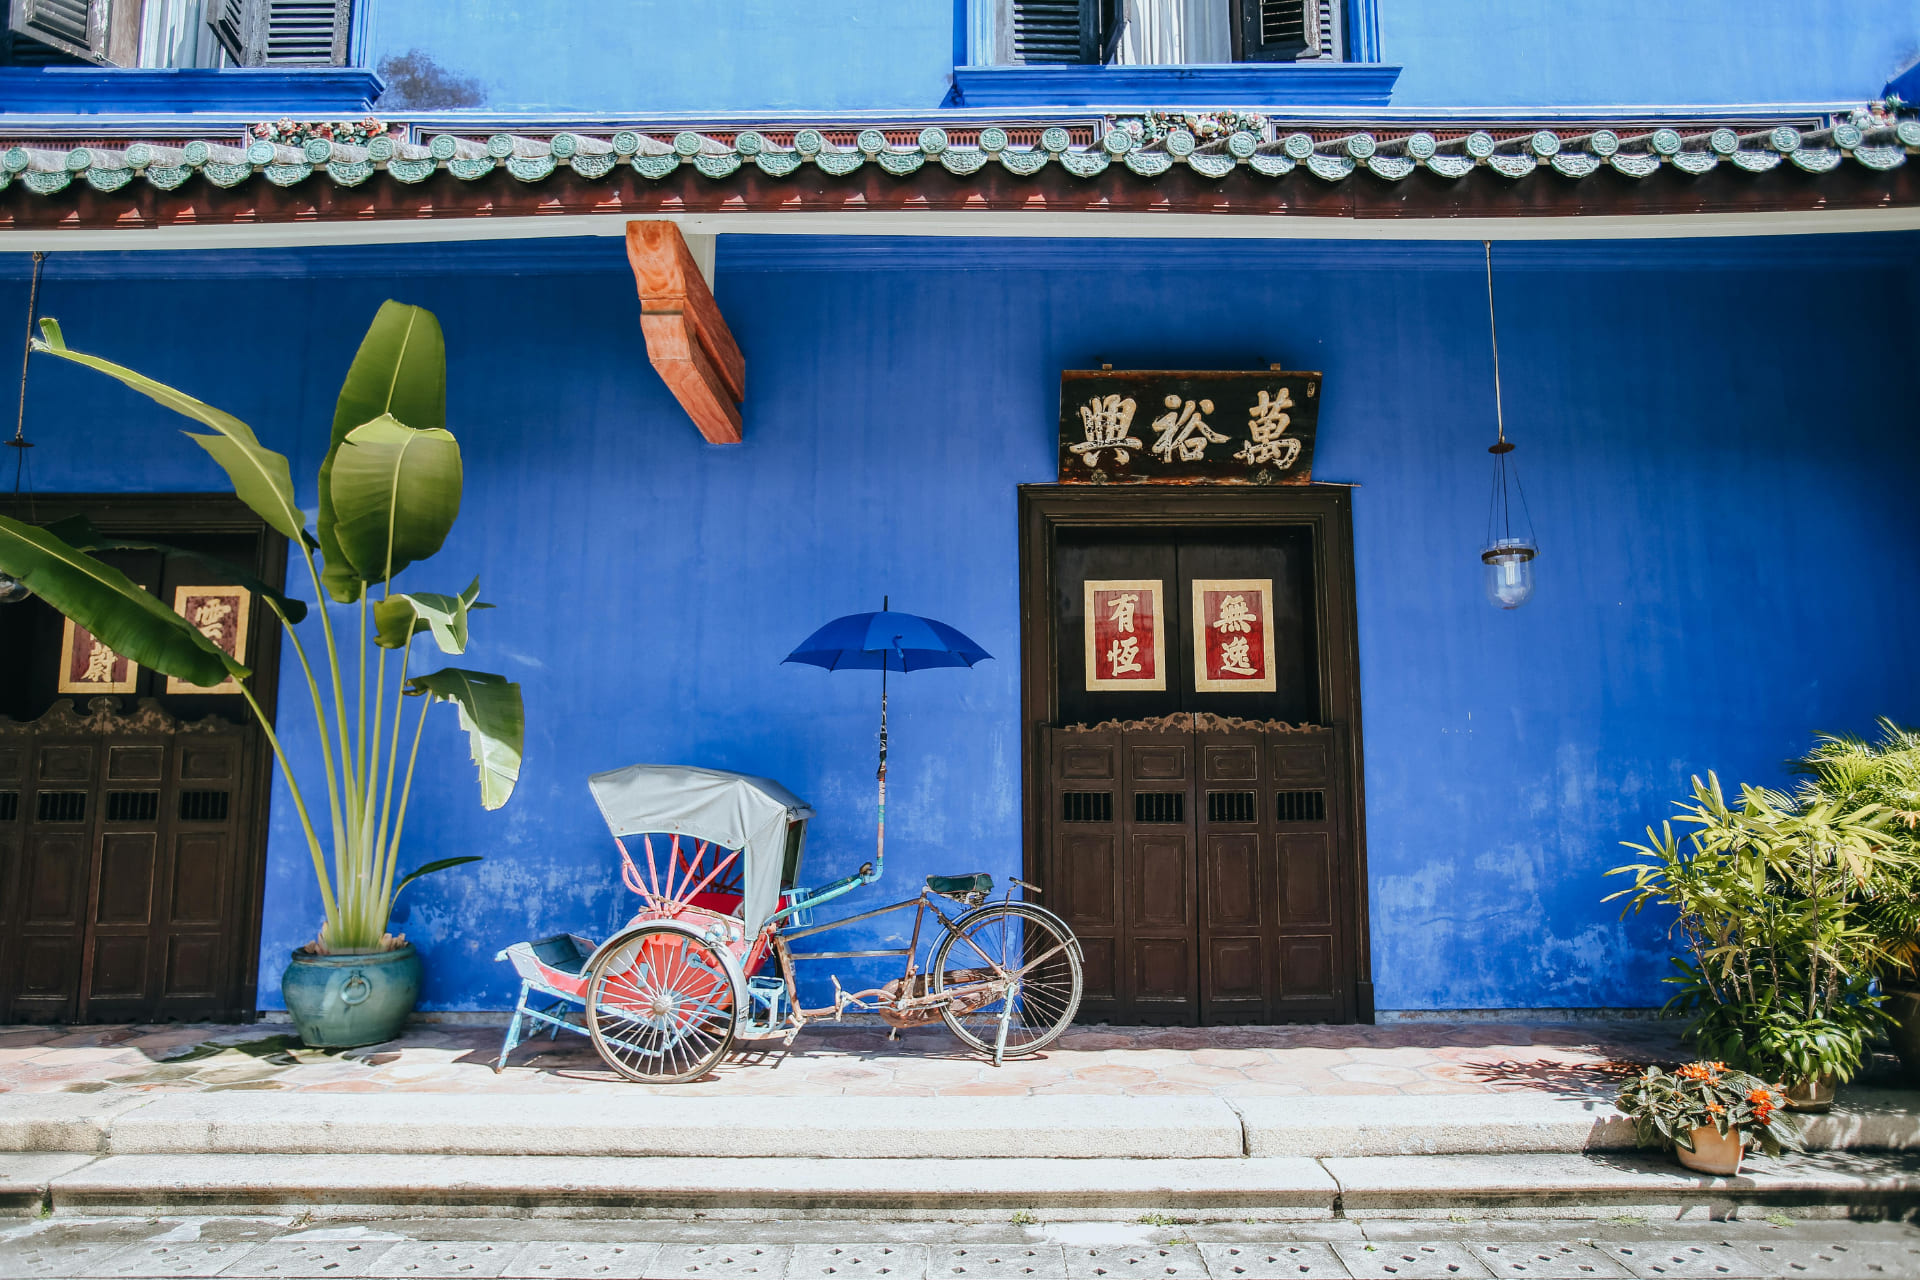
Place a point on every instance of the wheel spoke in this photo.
(660, 1007)
(1043, 988)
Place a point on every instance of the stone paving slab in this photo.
(1410, 1262)
(996, 1262)
(1305, 1260)
(562, 1261)
(636, 1125)
(1320, 1127)
(61, 1121)
(303, 1259)
(394, 1185)
(1832, 1259)
(1547, 1261)
(1591, 1185)
(25, 1176)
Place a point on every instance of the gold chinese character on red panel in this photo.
(87, 666)
(1126, 635)
(1233, 635)
(220, 614)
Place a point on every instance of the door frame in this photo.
(163, 515)
(1326, 510)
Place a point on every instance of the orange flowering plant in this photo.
(1666, 1107)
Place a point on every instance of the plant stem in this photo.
(299, 801)
(319, 717)
(406, 791)
(387, 849)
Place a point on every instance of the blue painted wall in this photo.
(645, 56)
(1596, 52)
(1726, 522)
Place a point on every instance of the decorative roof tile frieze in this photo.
(1207, 145)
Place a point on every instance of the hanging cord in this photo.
(20, 444)
(1500, 511)
(1493, 332)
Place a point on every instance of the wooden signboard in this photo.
(1160, 426)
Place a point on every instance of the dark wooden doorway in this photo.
(1206, 843)
(133, 826)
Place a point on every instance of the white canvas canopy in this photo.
(733, 810)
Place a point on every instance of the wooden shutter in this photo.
(1290, 31)
(283, 33)
(1056, 31)
(76, 27)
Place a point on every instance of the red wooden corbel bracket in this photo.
(687, 341)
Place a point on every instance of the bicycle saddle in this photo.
(960, 886)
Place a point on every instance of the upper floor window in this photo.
(1163, 32)
(179, 33)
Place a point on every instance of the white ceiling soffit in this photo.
(1052, 224)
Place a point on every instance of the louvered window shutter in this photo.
(76, 27)
(283, 33)
(1291, 31)
(1057, 31)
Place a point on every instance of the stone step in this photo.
(1263, 1188)
(699, 1124)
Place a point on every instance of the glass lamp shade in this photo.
(12, 589)
(1509, 563)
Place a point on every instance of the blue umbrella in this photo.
(885, 641)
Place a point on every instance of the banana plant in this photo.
(389, 489)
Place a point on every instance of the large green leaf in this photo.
(80, 533)
(495, 721)
(107, 603)
(401, 616)
(429, 868)
(401, 369)
(260, 476)
(396, 491)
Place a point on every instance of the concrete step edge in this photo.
(644, 1124)
(1265, 1187)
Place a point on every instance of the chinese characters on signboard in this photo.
(219, 614)
(1126, 638)
(1183, 427)
(87, 666)
(1233, 635)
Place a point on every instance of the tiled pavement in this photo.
(1579, 1059)
(256, 1249)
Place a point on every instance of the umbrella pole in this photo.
(880, 836)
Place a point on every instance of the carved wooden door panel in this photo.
(1124, 874)
(1158, 881)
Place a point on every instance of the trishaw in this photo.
(708, 958)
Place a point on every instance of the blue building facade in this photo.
(1717, 458)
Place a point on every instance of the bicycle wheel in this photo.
(1040, 953)
(660, 1006)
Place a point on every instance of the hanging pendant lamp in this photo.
(1507, 554)
(12, 590)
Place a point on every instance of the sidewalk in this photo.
(1584, 1060)
(1274, 1123)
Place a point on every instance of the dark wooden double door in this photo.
(133, 825)
(1206, 846)
(1199, 870)
(121, 876)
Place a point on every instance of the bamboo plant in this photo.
(389, 491)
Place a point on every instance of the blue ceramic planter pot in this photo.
(344, 1001)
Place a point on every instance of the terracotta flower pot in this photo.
(1713, 1152)
(1814, 1096)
